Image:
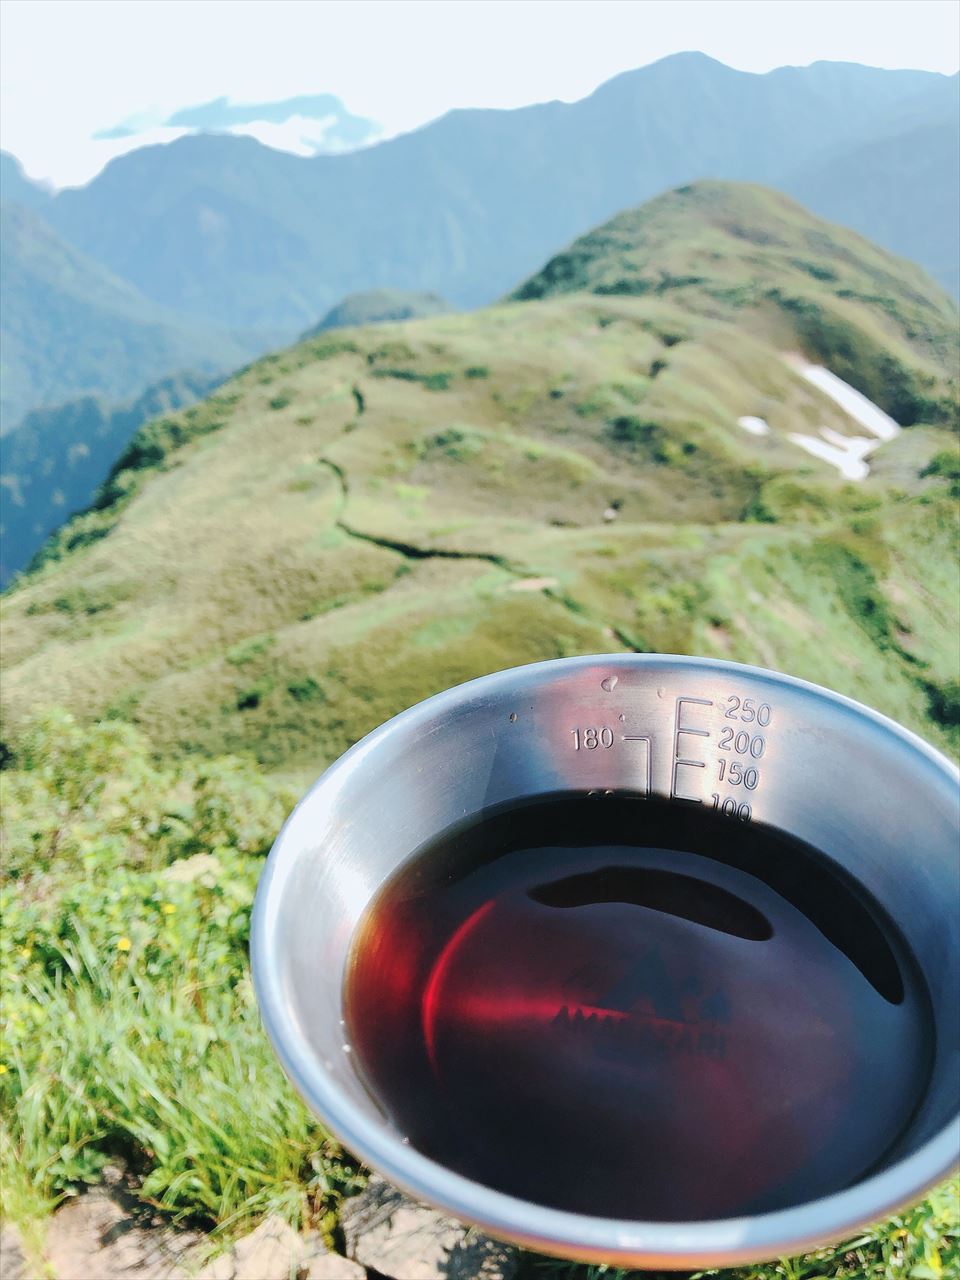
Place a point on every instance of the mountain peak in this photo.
(381, 306)
(697, 233)
(719, 247)
(16, 186)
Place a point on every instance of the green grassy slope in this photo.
(376, 514)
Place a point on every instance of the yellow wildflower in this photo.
(25, 952)
(3, 1069)
(124, 944)
(168, 908)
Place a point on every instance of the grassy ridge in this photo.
(274, 540)
(871, 317)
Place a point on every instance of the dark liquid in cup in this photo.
(637, 1009)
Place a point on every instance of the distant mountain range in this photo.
(231, 233)
(226, 234)
(197, 255)
(902, 190)
(17, 188)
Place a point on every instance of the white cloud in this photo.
(302, 135)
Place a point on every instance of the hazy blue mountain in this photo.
(380, 306)
(227, 231)
(53, 463)
(902, 191)
(16, 186)
(68, 326)
(936, 101)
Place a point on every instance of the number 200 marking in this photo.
(742, 742)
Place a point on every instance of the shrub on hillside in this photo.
(944, 702)
(437, 381)
(945, 465)
(646, 437)
(76, 793)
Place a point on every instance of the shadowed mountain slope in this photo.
(71, 327)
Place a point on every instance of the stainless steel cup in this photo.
(877, 799)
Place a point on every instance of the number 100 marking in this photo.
(731, 808)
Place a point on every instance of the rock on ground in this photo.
(275, 1252)
(408, 1241)
(13, 1263)
(106, 1235)
(330, 1266)
(272, 1252)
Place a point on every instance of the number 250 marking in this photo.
(747, 711)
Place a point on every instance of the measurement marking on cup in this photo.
(642, 737)
(683, 728)
(749, 744)
(602, 738)
(591, 738)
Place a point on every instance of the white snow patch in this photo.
(756, 426)
(853, 402)
(301, 135)
(848, 458)
(847, 453)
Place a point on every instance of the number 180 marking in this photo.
(590, 739)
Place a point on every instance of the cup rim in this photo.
(669, 1245)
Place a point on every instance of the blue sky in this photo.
(73, 68)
